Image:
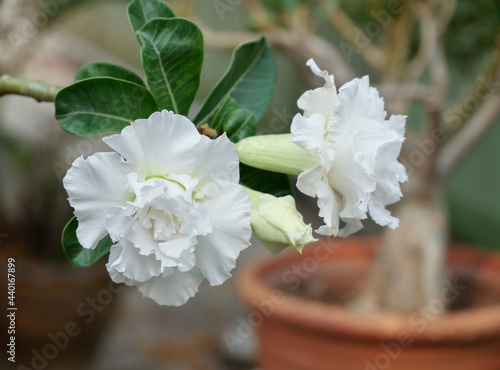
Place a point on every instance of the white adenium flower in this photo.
(357, 148)
(343, 150)
(169, 198)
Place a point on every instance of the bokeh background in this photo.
(49, 40)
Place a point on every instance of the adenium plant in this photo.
(171, 204)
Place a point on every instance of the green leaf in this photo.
(249, 80)
(141, 12)
(273, 183)
(102, 105)
(172, 57)
(102, 69)
(78, 255)
(223, 114)
(237, 123)
(241, 124)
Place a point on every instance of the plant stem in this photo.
(351, 32)
(37, 90)
(460, 145)
(486, 80)
(472, 130)
(408, 273)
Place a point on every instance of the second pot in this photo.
(295, 331)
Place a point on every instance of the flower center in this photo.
(162, 221)
(164, 206)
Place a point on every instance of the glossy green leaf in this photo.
(141, 12)
(78, 255)
(249, 80)
(172, 57)
(223, 114)
(102, 105)
(237, 123)
(273, 183)
(240, 124)
(103, 69)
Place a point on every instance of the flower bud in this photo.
(275, 153)
(277, 223)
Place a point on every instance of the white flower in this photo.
(357, 148)
(169, 198)
(277, 223)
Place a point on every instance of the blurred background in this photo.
(49, 40)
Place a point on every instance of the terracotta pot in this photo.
(297, 332)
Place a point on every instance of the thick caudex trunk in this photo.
(408, 273)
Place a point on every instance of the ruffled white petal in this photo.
(382, 216)
(179, 250)
(397, 123)
(162, 144)
(308, 181)
(114, 254)
(216, 160)
(388, 190)
(322, 100)
(328, 209)
(132, 266)
(119, 221)
(145, 243)
(216, 252)
(360, 100)
(352, 225)
(309, 133)
(94, 185)
(352, 181)
(329, 81)
(174, 289)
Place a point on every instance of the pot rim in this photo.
(465, 325)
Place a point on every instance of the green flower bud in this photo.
(275, 153)
(277, 223)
